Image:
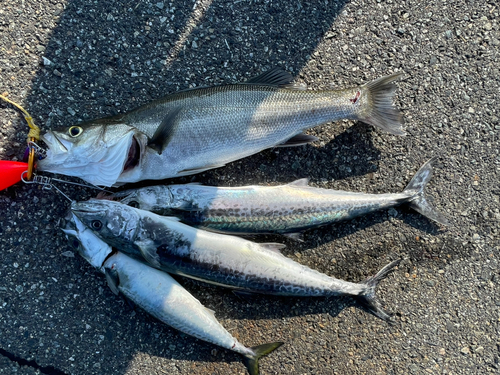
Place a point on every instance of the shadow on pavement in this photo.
(109, 57)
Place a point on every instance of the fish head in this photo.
(85, 242)
(97, 152)
(150, 198)
(114, 222)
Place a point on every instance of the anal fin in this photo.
(245, 294)
(298, 140)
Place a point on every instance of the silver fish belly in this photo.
(159, 294)
(215, 258)
(196, 130)
(286, 209)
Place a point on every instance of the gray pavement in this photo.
(78, 60)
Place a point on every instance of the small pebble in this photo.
(392, 212)
(46, 61)
(68, 254)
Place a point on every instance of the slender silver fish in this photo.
(195, 130)
(159, 294)
(286, 209)
(215, 258)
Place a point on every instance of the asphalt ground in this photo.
(78, 60)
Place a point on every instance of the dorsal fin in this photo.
(212, 312)
(273, 77)
(165, 131)
(273, 246)
(300, 182)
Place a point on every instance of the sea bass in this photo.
(215, 258)
(286, 209)
(159, 294)
(195, 130)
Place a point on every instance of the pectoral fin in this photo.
(165, 131)
(112, 279)
(148, 251)
(185, 206)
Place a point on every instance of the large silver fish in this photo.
(286, 209)
(195, 130)
(159, 294)
(219, 259)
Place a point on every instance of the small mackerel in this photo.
(159, 294)
(286, 209)
(215, 258)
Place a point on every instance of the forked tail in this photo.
(379, 110)
(252, 362)
(416, 188)
(369, 299)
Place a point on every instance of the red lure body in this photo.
(10, 172)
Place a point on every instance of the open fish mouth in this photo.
(133, 156)
(54, 143)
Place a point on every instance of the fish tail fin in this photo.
(416, 188)
(252, 362)
(380, 110)
(369, 299)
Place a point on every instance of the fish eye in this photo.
(75, 243)
(96, 225)
(75, 131)
(134, 204)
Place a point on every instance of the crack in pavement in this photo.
(47, 370)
